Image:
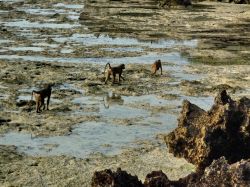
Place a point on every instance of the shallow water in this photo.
(145, 59)
(28, 24)
(111, 134)
(91, 39)
(26, 49)
(105, 137)
(86, 138)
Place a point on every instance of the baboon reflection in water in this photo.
(113, 99)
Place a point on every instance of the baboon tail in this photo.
(106, 67)
(32, 95)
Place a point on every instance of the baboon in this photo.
(113, 71)
(40, 97)
(156, 66)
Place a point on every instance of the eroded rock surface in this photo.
(156, 178)
(107, 178)
(219, 173)
(203, 136)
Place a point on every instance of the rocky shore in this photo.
(215, 141)
(69, 43)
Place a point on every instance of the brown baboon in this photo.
(113, 71)
(40, 97)
(156, 66)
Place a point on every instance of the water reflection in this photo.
(86, 138)
(111, 99)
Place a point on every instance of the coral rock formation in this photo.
(203, 136)
(157, 178)
(107, 178)
(219, 137)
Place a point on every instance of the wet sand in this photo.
(86, 129)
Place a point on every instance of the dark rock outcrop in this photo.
(240, 1)
(219, 173)
(203, 136)
(107, 178)
(169, 3)
(157, 178)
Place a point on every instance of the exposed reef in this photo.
(119, 178)
(216, 141)
(203, 136)
(219, 173)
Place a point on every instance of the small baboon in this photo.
(156, 66)
(113, 71)
(40, 97)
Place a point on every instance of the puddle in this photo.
(67, 86)
(87, 138)
(28, 24)
(46, 45)
(91, 39)
(167, 121)
(124, 49)
(28, 98)
(88, 100)
(181, 73)
(73, 17)
(187, 76)
(66, 51)
(3, 11)
(5, 41)
(110, 109)
(41, 11)
(122, 112)
(173, 43)
(35, 49)
(70, 6)
(28, 90)
(152, 100)
(28, 34)
(145, 59)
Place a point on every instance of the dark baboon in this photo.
(156, 66)
(113, 71)
(40, 97)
